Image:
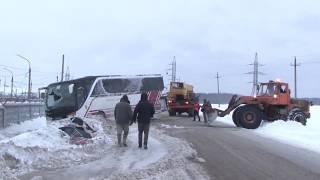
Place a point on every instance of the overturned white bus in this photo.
(98, 95)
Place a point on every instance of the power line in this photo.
(311, 62)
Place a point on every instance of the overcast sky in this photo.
(142, 36)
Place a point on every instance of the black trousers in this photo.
(195, 114)
(143, 128)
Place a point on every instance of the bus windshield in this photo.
(61, 95)
(70, 94)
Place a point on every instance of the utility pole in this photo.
(62, 69)
(4, 87)
(255, 74)
(11, 93)
(218, 77)
(295, 76)
(218, 86)
(29, 81)
(173, 69)
(67, 78)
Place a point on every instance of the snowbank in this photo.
(294, 133)
(289, 132)
(25, 126)
(37, 149)
(38, 144)
(171, 127)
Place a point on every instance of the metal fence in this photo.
(11, 113)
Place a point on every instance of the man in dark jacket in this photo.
(144, 111)
(123, 115)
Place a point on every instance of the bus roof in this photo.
(104, 76)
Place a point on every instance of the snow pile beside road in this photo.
(171, 127)
(37, 144)
(49, 138)
(289, 132)
(294, 133)
(25, 126)
(37, 149)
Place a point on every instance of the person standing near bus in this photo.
(123, 115)
(196, 108)
(144, 111)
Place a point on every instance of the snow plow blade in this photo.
(233, 103)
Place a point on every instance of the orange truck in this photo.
(180, 98)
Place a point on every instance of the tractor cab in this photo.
(274, 93)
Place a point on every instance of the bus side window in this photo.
(80, 96)
(98, 89)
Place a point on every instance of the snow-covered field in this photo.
(289, 132)
(37, 150)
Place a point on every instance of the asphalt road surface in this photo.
(232, 153)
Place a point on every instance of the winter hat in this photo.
(144, 97)
(125, 98)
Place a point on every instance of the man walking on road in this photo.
(123, 115)
(196, 108)
(144, 111)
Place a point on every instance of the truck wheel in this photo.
(172, 113)
(235, 117)
(190, 113)
(298, 116)
(249, 117)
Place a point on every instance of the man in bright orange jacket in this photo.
(196, 108)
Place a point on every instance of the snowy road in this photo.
(233, 153)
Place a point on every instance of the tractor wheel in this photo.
(249, 117)
(235, 117)
(298, 116)
(172, 113)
